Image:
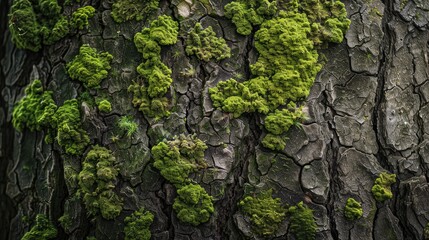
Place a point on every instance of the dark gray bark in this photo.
(367, 114)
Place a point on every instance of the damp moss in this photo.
(104, 106)
(381, 188)
(280, 121)
(137, 225)
(35, 110)
(97, 183)
(206, 45)
(353, 209)
(69, 132)
(265, 212)
(126, 10)
(274, 142)
(128, 125)
(79, 18)
(302, 224)
(177, 158)
(89, 66)
(193, 204)
(42, 230)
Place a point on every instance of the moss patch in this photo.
(302, 223)
(42, 230)
(353, 209)
(381, 189)
(137, 225)
(79, 19)
(126, 10)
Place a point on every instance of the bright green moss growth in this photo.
(128, 125)
(70, 134)
(248, 13)
(302, 223)
(137, 225)
(59, 30)
(381, 189)
(274, 142)
(35, 109)
(328, 19)
(193, 205)
(80, 17)
(104, 106)
(43, 230)
(125, 10)
(281, 120)
(265, 212)
(205, 45)
(177, 158)
(89, 66)
(149, 98)
(353, 209)
(96, 182)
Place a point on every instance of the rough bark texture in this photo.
(367, 114)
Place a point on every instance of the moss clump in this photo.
(96, 182)
(178, 158)
(43, 230)
(35, 109)
(65, 221)
(79, 18)
(126, 10)
(302, 223)
(89, 66)
(248, 13)
(128, 125)
(274, 142)
(280, 121)
(70, 134)
(137, 225)
(193, 205)
(205, 45)
(150, 97)
(381, 189)
(265, 212)
(104, 106)
(33, 23)
(353, 209)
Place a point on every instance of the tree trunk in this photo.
(366, 114)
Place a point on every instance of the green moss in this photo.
(79, 19)
(205, 45)
(126, 10)
(96, 183)
(104, 106)
(280, 121)
(149, 97)
(128, 125)
(35, 109)
(381, 189)
(59, 30)
(353, 209)
(265, 212)
(89, 66)
(137, 225)
(302, 223)
(193, 205)
(274, 142)
(177, 158)
(42, 230)
(248, 13)
(66, 221)
(70, 134)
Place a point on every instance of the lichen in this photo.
(104, 106)
(89, 66)
(96, 183)
(246, 14)
(149, 97)
(205, 45)
(137, 225)
(42, 230)
(177, 158)
(302, 223)
(193, 205)
(69, 132)
(353, 209)
(35, 109)
(126, 10)
(265, 212)
(381, 189)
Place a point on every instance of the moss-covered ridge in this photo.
(150, 96)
